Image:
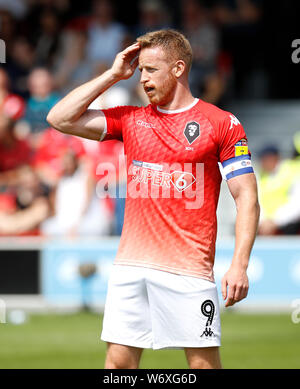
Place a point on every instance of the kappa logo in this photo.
(233, 121)
(207, 333)
(192, 131)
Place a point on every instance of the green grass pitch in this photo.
(72, 341)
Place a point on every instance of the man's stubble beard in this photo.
(168, 91)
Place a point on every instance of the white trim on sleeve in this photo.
(104, 132)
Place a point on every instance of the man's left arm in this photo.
(235, 283)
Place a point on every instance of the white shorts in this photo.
(149, 308)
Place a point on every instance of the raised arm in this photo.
(71, 114)
(244, 191)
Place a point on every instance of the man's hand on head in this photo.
(126, 62)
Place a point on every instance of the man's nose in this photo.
(144, 77)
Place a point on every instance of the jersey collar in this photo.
(169, 111)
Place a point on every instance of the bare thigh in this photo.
(119, 356)
(203, 358)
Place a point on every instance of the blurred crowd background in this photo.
(57, 185)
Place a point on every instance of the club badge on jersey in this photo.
(192, 131)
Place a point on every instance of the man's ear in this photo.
(179, 68)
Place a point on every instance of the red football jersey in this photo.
(173, 182)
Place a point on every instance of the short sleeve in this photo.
(234, 153)
(114, 122)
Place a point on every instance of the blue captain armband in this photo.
(237, 166)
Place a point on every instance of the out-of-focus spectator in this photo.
(109, 167)
(47, 158)
(42, 99)
(73, 68)
(279, 192)
(7, 28)
(20, 64)
(13, 152)
(152, 16)
(32, 206)
(17, 8)
(238, 12)
(77, 210)
(36, 24)
(201, 32)
(11, 104)
(204, 38)
(109, 157)
(240, 23)
(63, 7)
(48, 38)
(105, 35)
